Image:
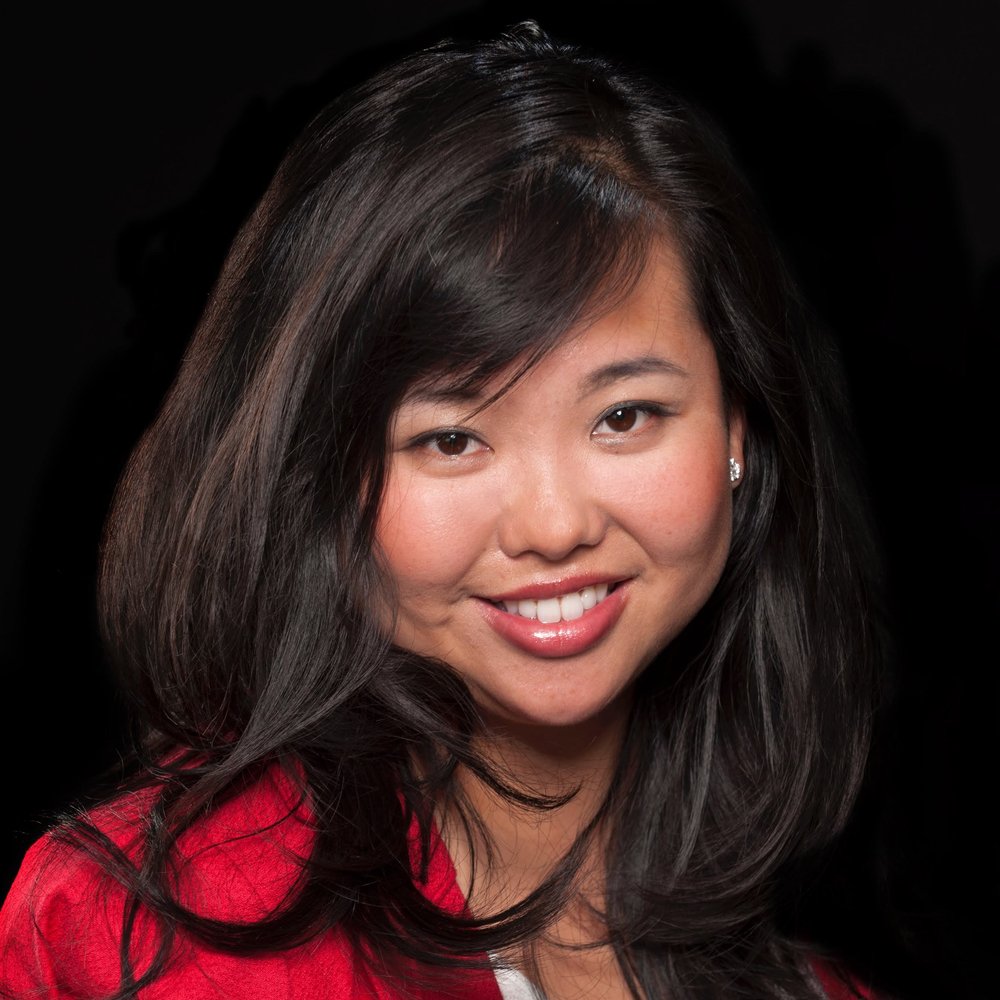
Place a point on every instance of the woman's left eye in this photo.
(626, 418)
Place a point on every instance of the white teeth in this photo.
(567, 608)
(549, 611)
(527, 609)
(571, 606)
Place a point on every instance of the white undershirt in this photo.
(514, 984)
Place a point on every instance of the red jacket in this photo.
(61, 922)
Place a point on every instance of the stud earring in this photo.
(735, 471)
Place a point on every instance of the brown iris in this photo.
(622, 419)
(453, 443)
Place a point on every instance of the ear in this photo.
(737, 440)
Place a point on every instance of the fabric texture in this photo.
(513, 984)
(61, 922)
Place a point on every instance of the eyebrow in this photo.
(606, 375)
(600, 378)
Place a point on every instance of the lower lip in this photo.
(560, 638)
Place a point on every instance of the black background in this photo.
(871, 133)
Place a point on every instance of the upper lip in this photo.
(555, 588)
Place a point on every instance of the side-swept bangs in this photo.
(549, 246)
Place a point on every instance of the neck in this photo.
(527, 843)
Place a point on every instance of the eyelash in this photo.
(427, 440)
(649, 410)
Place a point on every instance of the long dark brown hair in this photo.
(458, 213)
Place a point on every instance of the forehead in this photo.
(653, 328)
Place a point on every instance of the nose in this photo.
(549, 511)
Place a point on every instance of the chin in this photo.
(558, 715)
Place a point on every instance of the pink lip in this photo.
(562, 638)
(555, 588)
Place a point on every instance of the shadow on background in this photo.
(865, 205)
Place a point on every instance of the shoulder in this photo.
(61, 924)
(61, 928)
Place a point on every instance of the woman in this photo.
(492, 588)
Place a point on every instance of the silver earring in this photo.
(735, 471)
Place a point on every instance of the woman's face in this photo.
(550, 545)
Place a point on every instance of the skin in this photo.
(607, 461)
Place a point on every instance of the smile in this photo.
(553, 624)
(565, 608)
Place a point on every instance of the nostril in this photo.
(551, 525)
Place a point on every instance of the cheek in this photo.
(404, 530)
(427, 533)
(683, 512)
